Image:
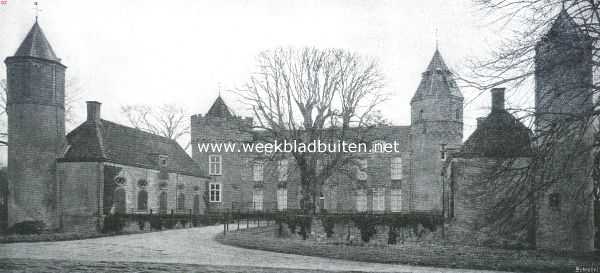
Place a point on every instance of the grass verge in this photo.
(422, 254)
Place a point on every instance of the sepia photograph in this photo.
(292, 136)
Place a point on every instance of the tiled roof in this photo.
(499, 135)
(36, 45)
(219, 109)
(437, 80)
(112, 142)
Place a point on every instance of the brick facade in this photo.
(36, 129)
(436, 123)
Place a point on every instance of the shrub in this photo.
(28, 227)
(170, 223)
(113, 223)
(292, 223)
(328, 222)
(305, 225)
(392, 236)
(367, 226)
(155, 222)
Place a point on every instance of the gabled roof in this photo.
(105, 141)
(500, 134)
(219, 109)
(36, 45)
(437, 80)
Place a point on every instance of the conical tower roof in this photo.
(564, 27)
(36, 45)
(437, 80)
(219, 109)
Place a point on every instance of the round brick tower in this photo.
(436, 124)
(36, 129)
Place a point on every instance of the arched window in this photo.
(119, 201)
(142, 200)
(196, 209)
(421, 115)
(457, 114)
(162, 202)
(181, 201)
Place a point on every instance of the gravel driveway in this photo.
(189, 246)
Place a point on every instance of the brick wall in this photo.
(190, 186)
(36, 130)
(439, 125)
(80, 193)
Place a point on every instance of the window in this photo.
(281, 199)
(443, 152)
(196, 208)
(361, 174)
(142, 200)
(283, 170)
(379, 199)
(331, 199)
(257, 171)
(162, 161)
(396, 200)
(214, 164)
(181, 201)
(361, 200)
(142, 183)
(457, 114)
(215, 192)
(257, 199)
(320, 166)
(554, 200)
(119, 199)
(162, 202)
(396, 168)
(421, 115)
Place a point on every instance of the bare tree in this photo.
(311, 94)
(565, 124)
(168, 120)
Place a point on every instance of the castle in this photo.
(406, 180)
(71, 182)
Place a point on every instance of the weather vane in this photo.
(437, 40)
(37, 10)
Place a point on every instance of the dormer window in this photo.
(163, 160)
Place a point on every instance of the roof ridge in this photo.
(138, 130)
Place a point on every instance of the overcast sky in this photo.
(153, 52)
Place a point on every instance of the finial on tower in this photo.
(219, 88)
(37, 10)
(437, 41)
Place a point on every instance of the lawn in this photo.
(415, 253)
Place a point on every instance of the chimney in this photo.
(480, 121)
(93, 110)
(498, 99)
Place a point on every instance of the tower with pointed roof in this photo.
(436, 123)
(36, 129)
(563, 90)
(220, 126)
